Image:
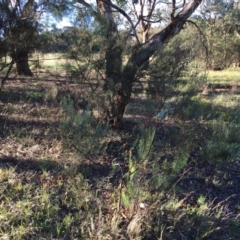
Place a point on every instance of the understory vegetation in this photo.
(120, 126)
(171, 173)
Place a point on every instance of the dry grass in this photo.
(185, 187)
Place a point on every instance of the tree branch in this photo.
(180, 5)
(151, 9)
(172, 29)
(173, 9)
(188, 9)
(176, 7)
(126, 16)
(150, 21)
(87, 5)
(202, 37)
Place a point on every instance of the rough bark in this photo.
(113, 57)
(113, 52)
(22, 65)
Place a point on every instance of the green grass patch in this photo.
(224, 77)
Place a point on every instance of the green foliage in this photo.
(169, 79)
(165, 171)
(219, 24)
(144, 143)
(197, 108)
(83, 131)
(19, 21)
(224, 143)
(38, 207)
(138, 158)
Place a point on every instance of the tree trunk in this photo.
(21, 60)
(119, 81)
(145, 27)
(120, 98)
(116, 111)
(117, 100)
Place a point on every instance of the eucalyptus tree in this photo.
(18, 29)
(148, 25)
(139, 15)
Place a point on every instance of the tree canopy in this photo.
(18, 28)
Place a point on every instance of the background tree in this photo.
(19, 29)
(220, 23)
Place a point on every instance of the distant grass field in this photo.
(48, 61)
(224, 76)
(57, 61)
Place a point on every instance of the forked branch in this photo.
(87, 5)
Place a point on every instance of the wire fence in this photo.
(39, 62)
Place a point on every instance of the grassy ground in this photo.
(175, 178)
(50, 61)
(226, 76)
